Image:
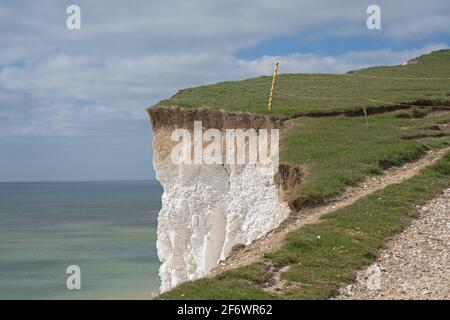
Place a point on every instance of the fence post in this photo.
(272, 88)
(360, 96)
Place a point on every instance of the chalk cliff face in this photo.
(207, 209)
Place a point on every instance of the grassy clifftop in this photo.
(298, 93)
(340, 151)
(337, 151)
(343, 151)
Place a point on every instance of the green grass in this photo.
(342, 151)
(251, 95)
(350, 239)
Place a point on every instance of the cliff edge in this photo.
(210, 209)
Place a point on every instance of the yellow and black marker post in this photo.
(272, 88)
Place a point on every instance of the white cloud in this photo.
(79, 94)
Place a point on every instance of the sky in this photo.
(72, 102)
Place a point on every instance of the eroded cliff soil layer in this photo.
(207, 209)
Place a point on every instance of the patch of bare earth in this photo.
(274, 239)
(415, 264)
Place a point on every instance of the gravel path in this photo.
(415, 264)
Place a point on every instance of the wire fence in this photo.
(357, 94)
(360, 96)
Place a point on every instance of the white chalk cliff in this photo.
(208, 209)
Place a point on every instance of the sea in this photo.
(107, 229)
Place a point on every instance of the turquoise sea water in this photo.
(106, 228)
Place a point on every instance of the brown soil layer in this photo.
(174, 117)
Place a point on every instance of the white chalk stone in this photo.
(206, 210)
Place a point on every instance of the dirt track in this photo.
(273, 240)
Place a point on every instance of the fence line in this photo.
(323, 76)
(316, 98)
(359, 98)
(395, 78)
(403, 104)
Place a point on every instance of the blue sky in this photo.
(72, 103)
(329, 45)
